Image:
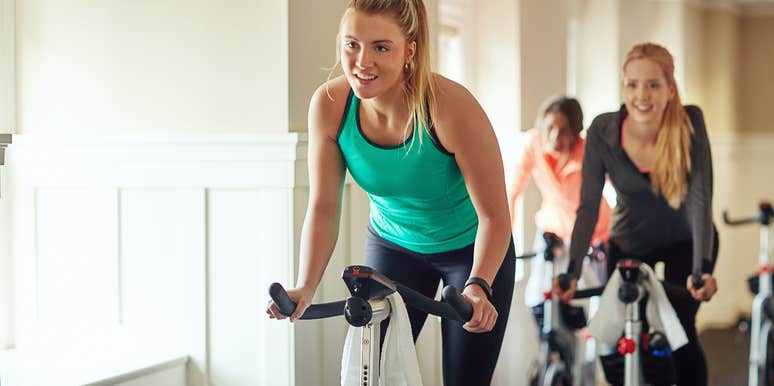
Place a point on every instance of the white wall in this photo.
(117, 66)
(7, 125)
(597, 68)
(7, 66)
(166, 242)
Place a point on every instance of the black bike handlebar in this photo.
(454, 307)
(728, 221)
(315, 311)
(696, 281)
(763, 217)
(527, 256)
(588, 292)
(671, 289)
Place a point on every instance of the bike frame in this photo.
(368, 307)
(761, 324)
(370, 340)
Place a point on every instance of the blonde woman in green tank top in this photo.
(423, 149)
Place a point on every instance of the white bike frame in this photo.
(761, 325)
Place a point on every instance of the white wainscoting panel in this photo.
(76, 270)
(249, 243)
(167, 240)
(162, 234)
(172, 240)
(743, 177)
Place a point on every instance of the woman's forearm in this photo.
(318, 239)
(492, 240)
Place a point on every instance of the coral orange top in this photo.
(559, 186)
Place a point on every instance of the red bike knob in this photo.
(626, 346)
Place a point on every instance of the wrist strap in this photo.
(481, 283)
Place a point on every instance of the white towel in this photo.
(608, 323)
(399, 366)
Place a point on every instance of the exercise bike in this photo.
(761, 365)
(367, 307)
(557, 363)
(641, 358)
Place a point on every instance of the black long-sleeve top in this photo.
(643, 220)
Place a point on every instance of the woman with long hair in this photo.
(425, 152)
(657, 156)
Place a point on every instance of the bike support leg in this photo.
(632, 369)
(370, 342)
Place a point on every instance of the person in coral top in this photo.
(553, 156)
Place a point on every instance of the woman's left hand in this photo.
(484, 312)
(705, 293)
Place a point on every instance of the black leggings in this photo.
(468, 359)
(690, 363)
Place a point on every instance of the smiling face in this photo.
(373, 53)
(646, 91)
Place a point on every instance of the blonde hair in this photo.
(669, 176)
(411, 17)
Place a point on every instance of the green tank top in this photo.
(418, 198)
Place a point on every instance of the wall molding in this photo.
(182, 224)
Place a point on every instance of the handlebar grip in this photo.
(281, 298)
(452, 296)
(315, 311)
(728, 221)
(696, 281)
(527, 256)
(564, 281)
(589, 292)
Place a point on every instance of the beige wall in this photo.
(597, 70)
(117, 66)
(756, 81)
(654, 21)
(313, 27)
(721, 71)
(692, 62)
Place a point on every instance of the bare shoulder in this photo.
(459, 120)
(328, 104)
(454, 104)
(449, 92)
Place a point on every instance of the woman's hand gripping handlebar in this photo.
(297, 304)
(564, 286)
(453, 306)
(702, 286)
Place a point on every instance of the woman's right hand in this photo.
(564, 295)
(301, 296)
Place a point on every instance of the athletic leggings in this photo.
(690, 363)
(468, 359)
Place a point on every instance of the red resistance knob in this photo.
(626, 346)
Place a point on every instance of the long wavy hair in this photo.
(669, 176)
(411, 17)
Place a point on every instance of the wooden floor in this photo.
(727, 353)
